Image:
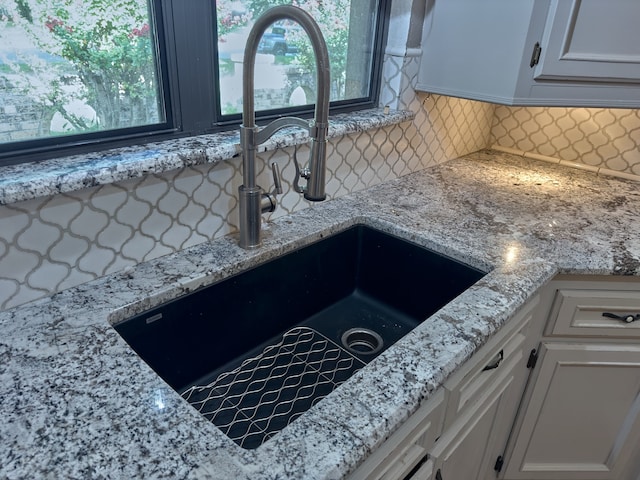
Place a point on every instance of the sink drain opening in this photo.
(362, 341)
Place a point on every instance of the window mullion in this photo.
(192, 64)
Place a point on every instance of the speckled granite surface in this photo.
(24, 182)
(75, 402)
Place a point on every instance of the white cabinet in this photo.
(591, 40)
(533, 52)
(469, 448)
(482, 403)
(582, 415)
(583, 418)
(577, 412)
(469, 418)
(407, 447)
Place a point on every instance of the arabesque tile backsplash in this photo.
(52, 243)
(605, 138)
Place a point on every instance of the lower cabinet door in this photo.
(468, 449)
(407, 449)
(582, 420)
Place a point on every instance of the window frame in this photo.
(189, 85)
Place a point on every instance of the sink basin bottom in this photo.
(254, 397)
(271, 388)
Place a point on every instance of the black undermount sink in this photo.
(256, 350)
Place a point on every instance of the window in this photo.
(83, 75)
(77, 70)
(285, 69)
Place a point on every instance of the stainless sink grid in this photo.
(256, 400)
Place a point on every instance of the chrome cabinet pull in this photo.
(627, 318)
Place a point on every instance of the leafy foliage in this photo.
(24, 10)
(229, 20)
(109, 49)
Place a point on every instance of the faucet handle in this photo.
(304, 173)
(277, 183)
(268, 202)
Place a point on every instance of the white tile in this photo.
(12, 222)
(39, 237)
(96, 260)
(595, 137)
(109, 198)
(17, 264)
(47, 274)
(89, 223)
(69, 249)
(151, 190)
(60, 209)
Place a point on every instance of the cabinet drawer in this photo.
(407, 447)
(425, 472)
(466, 385)
(578, 312)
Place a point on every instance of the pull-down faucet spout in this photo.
(253, 200)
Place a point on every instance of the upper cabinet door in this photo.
(569, 53)
(474, 49)
(591, 40)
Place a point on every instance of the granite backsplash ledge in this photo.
(49, 177)
(78, 403)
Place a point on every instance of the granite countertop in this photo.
(67, 174)
(76, 402)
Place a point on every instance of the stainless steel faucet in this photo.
(253, 200)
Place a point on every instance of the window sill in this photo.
(67, 174)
